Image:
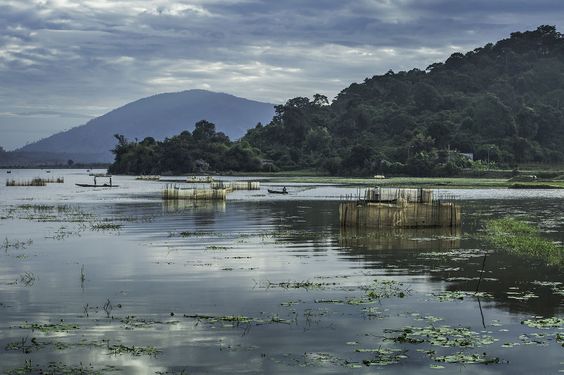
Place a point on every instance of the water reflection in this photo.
(400, 239)
(184, 205)
(285, 265)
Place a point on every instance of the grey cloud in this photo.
(88, 58)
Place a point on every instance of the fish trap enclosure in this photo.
(199, 179)
(398, 208)
(236, 185)
(34, 182)
(175, 192)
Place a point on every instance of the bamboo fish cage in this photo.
(175, 192)
(399, 208)
(37, 181)
(236, 185)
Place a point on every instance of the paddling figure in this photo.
(284, 190)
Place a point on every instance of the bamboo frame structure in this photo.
(175, 192)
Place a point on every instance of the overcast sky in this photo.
(63, 62)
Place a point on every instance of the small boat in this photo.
(110, 185)
(90, 185)
(8, 171)
(278, 191)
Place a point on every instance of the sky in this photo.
(63, 62)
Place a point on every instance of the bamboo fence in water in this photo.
(236, 185)
(148, 178)
(37, 181)
(399, 208)
(175, 192)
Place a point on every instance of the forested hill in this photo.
(504, 99)
(503, 102)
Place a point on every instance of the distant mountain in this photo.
(158, 116)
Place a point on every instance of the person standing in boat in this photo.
(284, 190)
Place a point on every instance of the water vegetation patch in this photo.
(459, 295)
(382, 356)
(544, 323)
(51, 213)
(27, 279)
(386, 289)
(15, 244)
(136, 351)
(196, 234)
(228, 321)
(26, 345)
(133, 322)
(216, 248)
(448, 337)
(465, 358)
(59, 368)
(106, 226)
(522, 238)
(442, 336)
(50, 327)
(306, 284)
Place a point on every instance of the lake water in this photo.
(116, 281)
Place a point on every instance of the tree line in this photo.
(503, 103)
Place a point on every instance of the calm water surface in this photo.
(117, 281)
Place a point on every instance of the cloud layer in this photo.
(64, 61)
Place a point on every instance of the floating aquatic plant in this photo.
(443, 336)
(106, 226)
(544, 323)
(451, 295)
(135, 351)
(523, 238)
(465, 358)
(61, 368)
(50, 327)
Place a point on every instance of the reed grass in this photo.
(523, 238)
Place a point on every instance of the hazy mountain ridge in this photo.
(158, 116)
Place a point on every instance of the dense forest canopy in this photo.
(502, 102)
